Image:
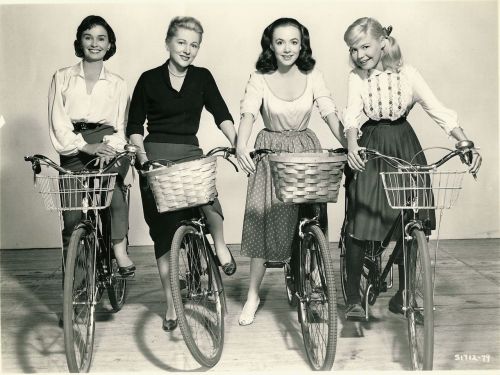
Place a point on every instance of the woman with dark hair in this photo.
(283, 90)
(87, 112)
(170, 98)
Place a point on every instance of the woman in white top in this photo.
(283, 90)
(382, 91)
(87, 113)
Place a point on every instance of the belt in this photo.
(389, 122)
(79, 126)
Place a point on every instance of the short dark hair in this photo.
(88, 23)
(267, 60)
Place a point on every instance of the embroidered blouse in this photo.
(69, 103)
(380, 95)
(281, 115)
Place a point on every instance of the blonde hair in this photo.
(392, 58)
(189, 23)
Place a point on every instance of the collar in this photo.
(376, 72)
(77, 70)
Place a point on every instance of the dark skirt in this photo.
(269, 225)
(369, 216)
(119, 205)
(162, 226)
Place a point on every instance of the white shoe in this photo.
(247, 315)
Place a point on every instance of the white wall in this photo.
(453, 44)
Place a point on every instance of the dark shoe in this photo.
(60, 323)
(169, 324)
(127, 272)
(355, 311)
(396, 303)
(229, 268)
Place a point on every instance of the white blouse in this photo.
(281, 115)
(70, 103)
(380, 95)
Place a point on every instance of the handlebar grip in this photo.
(464, 145)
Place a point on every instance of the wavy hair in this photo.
(88, 23)
(391, 58)
(267, 60)
(189, 23)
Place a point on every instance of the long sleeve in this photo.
(446, 118)
(138, 110)
(214, 102)
(252, 99)
(321, 94)
(118, 140)
(353, 116)
(60, 126)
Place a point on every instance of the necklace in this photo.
(176, 75)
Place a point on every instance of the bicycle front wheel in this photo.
(420, 313)
(317, 307)
(117, 288)
(78, 305)
(198, 295)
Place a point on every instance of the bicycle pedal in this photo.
(269, 264)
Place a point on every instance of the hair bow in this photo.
(388, 30)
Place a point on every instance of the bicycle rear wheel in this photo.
(200, 305)
(420, 313)
(318, 306)
(78, 305)
(117, 288)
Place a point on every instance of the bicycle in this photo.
(309, 179)
(409, 188)
(197, 289)
(89, 265)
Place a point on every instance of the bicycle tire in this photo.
(117, 288)
(420, 303)
(78, 300)
(200, 305)
(289, 285)
(317, 290)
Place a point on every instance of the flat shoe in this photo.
(169, 324)
(127, 272)
(247, 315)
(355, 311)
(396, 303)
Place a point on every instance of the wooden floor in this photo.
(467, 333)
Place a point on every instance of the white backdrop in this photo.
(453, 44)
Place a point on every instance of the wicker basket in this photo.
(183, 185)
(307, 177)
(77, 191)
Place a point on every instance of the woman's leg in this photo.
(257, 272)
(354, 262)
(216, 228)
(164, 270)
(119, 224)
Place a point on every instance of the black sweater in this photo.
(174, 117)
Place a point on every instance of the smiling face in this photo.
(286, 44)
(183, 47)
(366, 52)
(95, 43)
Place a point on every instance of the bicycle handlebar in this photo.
(463, 149)
(130, 151)
(267, 151)
(225, 151)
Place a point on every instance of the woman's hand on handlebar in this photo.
(99, 149)
(477, 159)
(354, 158)
(244, 160)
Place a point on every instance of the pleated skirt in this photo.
(369, 216)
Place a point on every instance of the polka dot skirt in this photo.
(269, 224)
